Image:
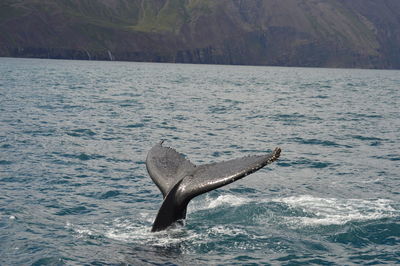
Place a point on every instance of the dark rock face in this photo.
(320, 33)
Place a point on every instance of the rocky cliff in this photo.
(321, 33)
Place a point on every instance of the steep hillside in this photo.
(330, 33)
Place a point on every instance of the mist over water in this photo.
(74, 188)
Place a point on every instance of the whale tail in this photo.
(180, 180)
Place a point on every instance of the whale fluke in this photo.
(180, 180)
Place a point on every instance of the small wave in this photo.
(81, 156)
(109, 194)
(303, 162)
(366, 138)
(137, 125)
(81, 132)
(322, 96)
(332, 211)
(372, 140)
(5, 162)
(6, 146)
(73, 211)
(390, 157)
(320, 142)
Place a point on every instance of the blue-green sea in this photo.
(74, 189)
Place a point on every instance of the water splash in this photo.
(209, 202)
(333, 211)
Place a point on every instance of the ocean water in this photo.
(74, 188)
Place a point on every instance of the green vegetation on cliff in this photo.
(328, 33)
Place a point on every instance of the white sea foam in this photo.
(222, 200)
(308, 211)
(133, 231)
(333, 211)
(80, 231)
(224, 230)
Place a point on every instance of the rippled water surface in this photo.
(74, 188)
